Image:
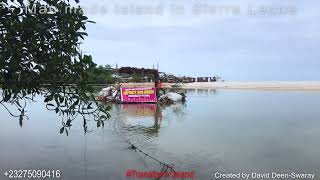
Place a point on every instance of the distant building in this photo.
(213, 79)
(192, 79)
(188, 79)
(202, 79)
(206, 79)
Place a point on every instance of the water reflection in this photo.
(69, 106)
(204, 132)
(144, 119)
(143, 111)
(136, 122)
(203, 92)
(140, 125)
(225, 131)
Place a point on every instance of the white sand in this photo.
(270, 85)
(258, 85)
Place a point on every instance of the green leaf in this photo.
(48, 98)
(68, 124)
(42, 55)
(61, 130)
(89, 106)
(103, 117)
(77, 102)
(61, 99)
(7, 96)
(108, 108)
(20, 2)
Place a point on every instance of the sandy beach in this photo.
(259, 85)
(256, 85)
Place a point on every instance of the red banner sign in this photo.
(136, 95)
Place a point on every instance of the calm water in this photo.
(214, 131)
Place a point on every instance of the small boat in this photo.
(172, 97)
(108, 94)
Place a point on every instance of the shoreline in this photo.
(250, 85)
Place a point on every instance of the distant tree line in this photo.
(101, 75)
(140, 71)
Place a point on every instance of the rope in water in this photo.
(165, 166)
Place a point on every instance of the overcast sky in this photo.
(204, 38)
